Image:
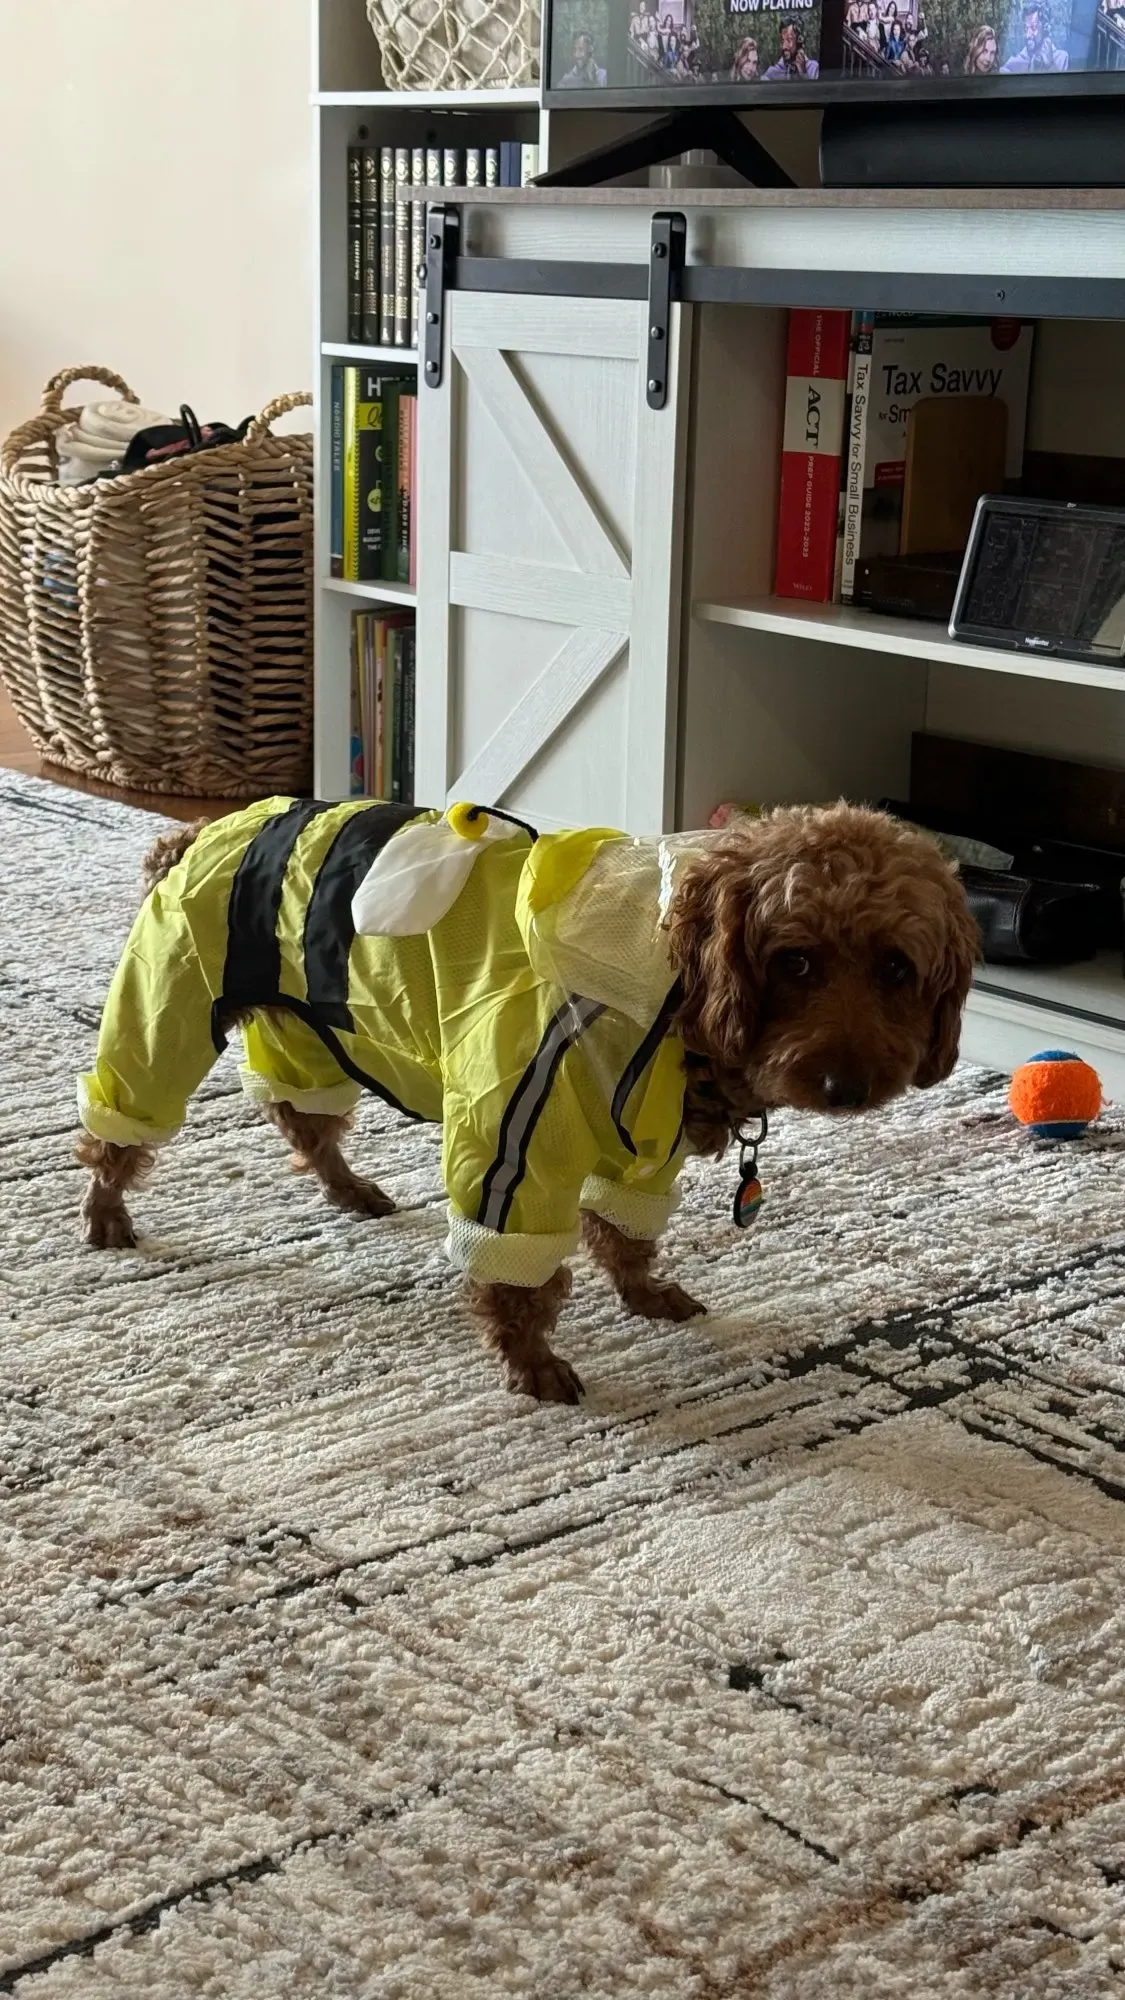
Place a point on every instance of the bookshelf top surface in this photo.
(521, 98)
(992, 200)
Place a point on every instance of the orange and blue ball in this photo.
(1056, 1095)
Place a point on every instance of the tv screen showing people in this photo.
(756, 45)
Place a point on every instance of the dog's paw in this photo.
(546, 1376)
(361, 1198)
(654, 1301)
(109, 1229)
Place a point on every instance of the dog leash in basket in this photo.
(749, 1198)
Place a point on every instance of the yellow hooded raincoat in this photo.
(532, 1018)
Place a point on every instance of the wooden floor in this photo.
(17, 753)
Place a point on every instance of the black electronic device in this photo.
(908, 586)
(982, 84)
(1044, 578)
(987, 141)
(665, 53)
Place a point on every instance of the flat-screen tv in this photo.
(759, 53)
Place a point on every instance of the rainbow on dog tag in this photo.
(748, 1201)
(749, 1198)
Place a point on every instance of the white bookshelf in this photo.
(1094, 988)
(349, 100)
(908, 638)
(428, 100)
(345, 350)
(1014, 1011)
(596, 638)
(372, 593)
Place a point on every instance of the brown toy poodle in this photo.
(821, 959)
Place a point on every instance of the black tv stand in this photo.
(717, 130)
(1032, 143)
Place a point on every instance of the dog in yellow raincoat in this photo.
(576, 1008)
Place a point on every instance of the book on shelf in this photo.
(842, 494)
(371, 473)
(402, 248)
(817, 356)
(519, 164)
(383, 706)
(397, 653)
(904, 360)
(349, 476)
(387, 246)
(336, 475)
(355, 243)
(403, 494)
(373, 469)
(409, 724)
(859, 376)
(376, 653)
(386, 242)
(411, 491)
(377, 411)
(417, 239)
(355, 758)
(369, 278)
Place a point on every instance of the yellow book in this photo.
(351, 475)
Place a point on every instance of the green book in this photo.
(370, 422)
(376, 430)
(404, 458)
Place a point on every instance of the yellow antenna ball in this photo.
(468, 820)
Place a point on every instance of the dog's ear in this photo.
(950, 988)
(712, 928)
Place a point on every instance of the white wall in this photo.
(155, 198)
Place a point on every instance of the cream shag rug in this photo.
(791, 1665)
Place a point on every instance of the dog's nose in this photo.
(846, 1090)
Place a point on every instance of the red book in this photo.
(811, 451)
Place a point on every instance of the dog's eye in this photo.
(895, 969)
(794, 964)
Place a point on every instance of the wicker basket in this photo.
(156, 628)
(457, 44)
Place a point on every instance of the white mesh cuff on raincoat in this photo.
(337, 1099)
(630, 1210)
(498, 1259)
(102, 1122)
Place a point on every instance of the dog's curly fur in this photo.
(165, 852)
(824, 956)
(515, 1321)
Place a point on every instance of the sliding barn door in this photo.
(550, 563)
